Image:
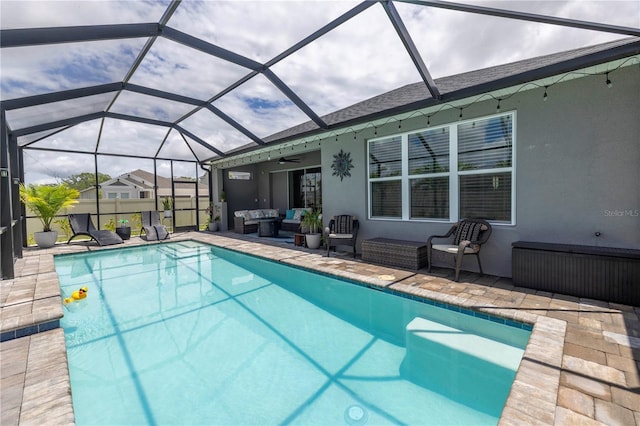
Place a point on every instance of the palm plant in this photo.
(47, 200)
(313, 220)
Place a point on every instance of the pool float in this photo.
(77, 295)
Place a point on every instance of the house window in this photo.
(385, 177)
(446, 173)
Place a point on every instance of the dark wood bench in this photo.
(603, 273)
(404, 254)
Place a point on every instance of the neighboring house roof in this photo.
(459, 86)
(143, 179)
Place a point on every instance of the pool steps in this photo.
(455, 362)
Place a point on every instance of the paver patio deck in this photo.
(580, 366)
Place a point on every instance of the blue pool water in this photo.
(187, 333)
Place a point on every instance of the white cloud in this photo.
(360, 59)
(54, 13)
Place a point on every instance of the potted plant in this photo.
(46, 201)
(123, 230)
(213, 210)
(223, 196)
(313, 220)
(167, 204)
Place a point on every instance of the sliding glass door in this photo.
(305, 188)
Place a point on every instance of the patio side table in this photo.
(268, 228)
(298, 240)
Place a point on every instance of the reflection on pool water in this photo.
(187, 333)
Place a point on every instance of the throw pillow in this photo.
(290, 214)
(343, 224)
(467, 231)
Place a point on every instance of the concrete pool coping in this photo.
(580, 365)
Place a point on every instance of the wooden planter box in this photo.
(602, 273)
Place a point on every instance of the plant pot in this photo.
(46, 239)
(213, 226)
(168, 213)
(124, 232)
(313, 240)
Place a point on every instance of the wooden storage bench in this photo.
(602, 273)
(404, 254)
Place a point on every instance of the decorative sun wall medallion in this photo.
(342, 164)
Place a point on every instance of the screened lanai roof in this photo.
(203, 80)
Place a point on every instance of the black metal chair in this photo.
(153, 227)
(468, 237)
(81, 224)
(342, 231)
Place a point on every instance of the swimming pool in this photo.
(187, 333)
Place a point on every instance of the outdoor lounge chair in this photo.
(342, 231)
(468, 236)
(153, 227)
(81, 224)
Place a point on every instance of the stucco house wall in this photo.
(577, 169)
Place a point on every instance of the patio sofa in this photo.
(246, 221)
(293, 219)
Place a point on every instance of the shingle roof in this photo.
(415, 96)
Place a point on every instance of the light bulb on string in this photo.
(545, 96)
(498, 107)
(609, 83)
(460, 116)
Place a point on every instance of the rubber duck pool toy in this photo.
(77, 295)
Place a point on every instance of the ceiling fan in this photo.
(283, 160)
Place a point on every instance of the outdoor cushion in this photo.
(451, 248)
(240, 213)
(347, 236)
(467, 231)
(271, 213)
(343, 224)
(290, 214)
(255, 214)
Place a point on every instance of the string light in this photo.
(375, 131)
(481, 98)
(354, 136)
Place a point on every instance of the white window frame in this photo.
(453, 173)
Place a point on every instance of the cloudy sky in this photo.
(359, 59)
